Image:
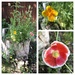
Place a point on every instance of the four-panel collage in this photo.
(37, 37)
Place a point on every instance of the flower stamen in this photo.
(55, 54)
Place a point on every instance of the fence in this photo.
(6, 9)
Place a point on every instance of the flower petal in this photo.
(51, 18)
(61, 60)
(44, 13)
(54, 12)
(49, 9)
(49, 59)
(62, 48)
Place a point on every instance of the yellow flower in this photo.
(50, 13)
(15, 32)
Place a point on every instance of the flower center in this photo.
(55, 54)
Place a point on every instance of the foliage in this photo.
(67, 38)
(4, 23)
(64, 18)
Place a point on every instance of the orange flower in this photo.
(50, 13)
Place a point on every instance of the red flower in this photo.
(56, 55)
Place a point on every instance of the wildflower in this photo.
(15, 32)
(50, 13)
(31, 33)
(56, 55)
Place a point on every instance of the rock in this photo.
(4, 47)
(43, 39)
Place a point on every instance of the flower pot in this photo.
(22, 49)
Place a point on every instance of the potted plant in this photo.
(21, 31)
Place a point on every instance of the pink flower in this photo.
(31, 33)
(56, 55)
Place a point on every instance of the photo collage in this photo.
(37, 37)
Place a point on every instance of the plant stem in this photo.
(46, 21)
(68, 68)
(57, 36)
